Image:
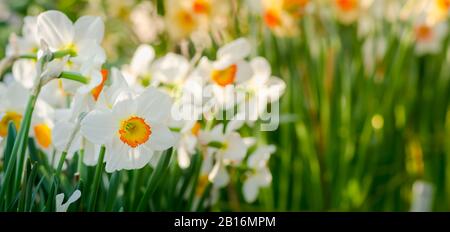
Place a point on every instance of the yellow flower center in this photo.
(201, 6)
(272, 18)
(423, 33)
(224, 77)
(186, 21)
(43, 135)
(4, 121)
(443, 5)
(134, 131)
(196, 129)
(346, 5)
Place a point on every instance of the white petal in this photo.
(154, 105)
(234, 51)
(275, 88)
(89, 52)
(142, 58)
(56, 29)
(98, 127)
(117, 79)
(124, 109)
(155, 159)
(24, 71)
(184, 159)
(59, 203)
(17, 97)
(161, 138)
(75, 196)
(170, 68)
(259, 158)
(61, 134)
(234, 125)
(219, 175)
(89, 28)
(264, 177)
(236, 148)
(118, 153)
(261, 70)
(91, 152)
(216, 134)
(60, 197)
(244, 72)
(250, 189)
(141, 157)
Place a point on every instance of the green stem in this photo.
(62, 53)
(114, 184)
(155, 179)
(96, 183)
(27, 56)
(74, 76)
(205, 195)
(18, 147)
(61, 163)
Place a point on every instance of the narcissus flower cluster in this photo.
(131, 116)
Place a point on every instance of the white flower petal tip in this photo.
(60, 207)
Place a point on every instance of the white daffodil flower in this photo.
(132, 130)
(429, 36)
(28, 44)
(281, 16)
(82, 38)
(180, 19)
(147, 24)
(117, 90)
(60, 207)
(137, 73)
(261, 89)
(24, 71)
(188, 17)
(67, 131)
(260, 175)
(170, 69)
(229, 69)
(229, 149)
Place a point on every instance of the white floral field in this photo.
(211, 105)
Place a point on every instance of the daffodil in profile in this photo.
(259, 173)
(137, 73)
(262, 88)
(81, 39)
(133, 130)
(228, 148)
(28, 43)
